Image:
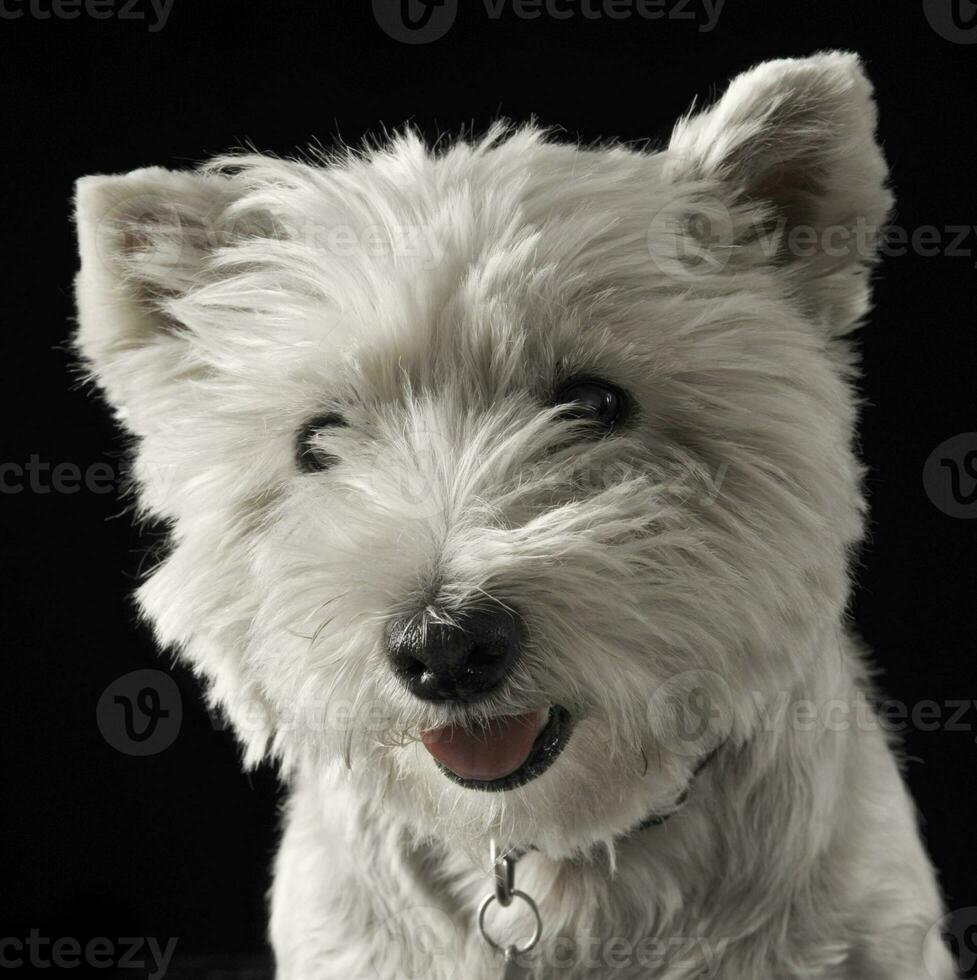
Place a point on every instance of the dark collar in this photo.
(655, 818)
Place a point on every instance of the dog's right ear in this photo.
(145, 239)
(792, 146)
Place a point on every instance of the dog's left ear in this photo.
(790, 150)
(146, 240)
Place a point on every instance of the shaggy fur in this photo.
(693, 565)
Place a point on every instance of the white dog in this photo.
(513, 498)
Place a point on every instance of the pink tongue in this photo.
(489, 753)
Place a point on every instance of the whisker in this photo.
(497, 601)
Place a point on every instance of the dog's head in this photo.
(510, 466)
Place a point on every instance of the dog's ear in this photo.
(146, 239)
(790, 150)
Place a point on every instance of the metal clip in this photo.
(504, 871)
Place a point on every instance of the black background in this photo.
(179, 844)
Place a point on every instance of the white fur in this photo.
(435, 298)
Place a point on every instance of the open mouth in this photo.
(506, 753)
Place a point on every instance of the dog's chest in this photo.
(588, 927)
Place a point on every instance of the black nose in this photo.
(460, 662)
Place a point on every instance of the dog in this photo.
(513, 505)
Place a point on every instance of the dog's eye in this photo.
(593, 401)
(309, 456)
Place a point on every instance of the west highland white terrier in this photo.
(513, 504)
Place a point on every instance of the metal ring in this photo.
(537, 932)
